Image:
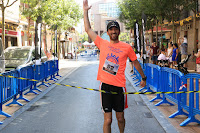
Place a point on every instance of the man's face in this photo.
(113, 33)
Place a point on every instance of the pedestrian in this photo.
(175, 54)
(147, 54)
(155, 52)
(162, 58)
(169, 53)
(183, 49)
(198, 59)
(98, 53)
(111, 72)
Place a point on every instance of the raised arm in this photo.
(88, 29)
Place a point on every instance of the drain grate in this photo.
(148, 115)
(44, 97)
(33, 107)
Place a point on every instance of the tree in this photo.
(4, 4)
(172, 13)
(124, 37)
(63, 13)
(129, 12)
(30, 12)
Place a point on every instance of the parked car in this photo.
(17, 57)
(2, 62)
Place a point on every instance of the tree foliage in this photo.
(63, 13)
(131, 10)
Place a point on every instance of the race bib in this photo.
(110, 67)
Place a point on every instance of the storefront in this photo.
(10, 38)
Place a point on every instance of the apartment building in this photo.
(13, 34)
(101, 13)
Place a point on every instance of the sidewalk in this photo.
(167, 110)
(66, 66)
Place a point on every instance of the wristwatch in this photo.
(145, 78)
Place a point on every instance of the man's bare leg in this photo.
(121, 121)
(107, 122)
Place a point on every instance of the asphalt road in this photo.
(72, 110)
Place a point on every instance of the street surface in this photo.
(73, 110)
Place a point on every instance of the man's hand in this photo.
(143, 83)
(85, 5)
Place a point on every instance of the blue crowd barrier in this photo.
(163, 79)
(153, 74)
(52, 71)
(42, 74)
(193, 106)
(10, 88)
(56, 70)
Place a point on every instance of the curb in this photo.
(165, 124)
(29, 104)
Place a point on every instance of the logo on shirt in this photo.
(113, 58)
(116, 50)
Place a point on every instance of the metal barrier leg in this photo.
(164, 100)
(137, 83)
(157, 97)
(58, 75)
(43, 84)
(52, 78)
(148, 89)
(133, 74)
(179, 112)
(31, 91)
(189, 120)
(35, 88)
(134, 78)
(15, 102)
(22, 98)
(3, 113)
(47, 81)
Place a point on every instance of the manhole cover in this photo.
(44, 97)
(148, 115)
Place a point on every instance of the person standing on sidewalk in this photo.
(111, 72)
(183, 49)
(155, 52)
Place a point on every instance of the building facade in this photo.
(101, 13)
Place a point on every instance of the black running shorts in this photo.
(112, 101)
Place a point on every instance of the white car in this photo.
(17, 57)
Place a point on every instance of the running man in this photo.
(111, 72)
